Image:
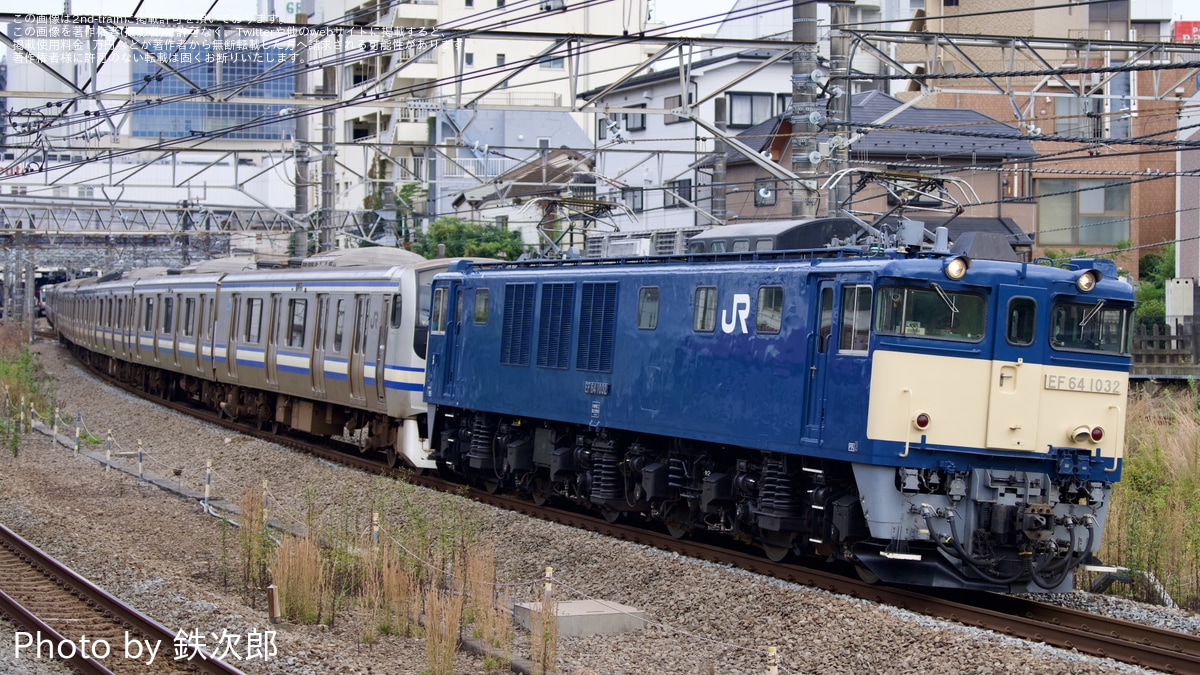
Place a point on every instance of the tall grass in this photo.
(301, 579)
(1154, 519)
(256, 547)
(21, 374)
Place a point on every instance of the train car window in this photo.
(121, 311)
(253, 320)
(718, 247)
(1090, 327)
(769, 317)
(931, 313)
(363, 310)
(148, 317)
(168, 315)
(740, 245)
(424, 294)
(1022, 322)
(189, 317)
(704, 311)
(856, 319)
(437, 316)
(397, 315)
(764, 245)
(297, 313)
(110, 312)
(481, 305)
(647, 316)
(339, 325)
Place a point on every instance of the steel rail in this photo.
(92, 594)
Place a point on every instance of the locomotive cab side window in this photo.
(1021, 327)
(481, 305)
(704, 310)
(856, 319)
(769, 316)
(647, 310)
(931, 313)
(437, 315)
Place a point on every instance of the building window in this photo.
(469, 59)
(1090, 213)
(1079, 116)
(764, 192)
(678, 193)
(551, 5)
(501, 222)
(543, 146)
(635, 121)
(500, 64)
(783, 102)
(632, 198)
(671, 103)
(86, 191)
(601, 128)
(499, 3)
(470, 3)
(748, 109)
(551, 63)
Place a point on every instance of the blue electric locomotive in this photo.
(929, 420)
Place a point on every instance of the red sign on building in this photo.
(1187, 31)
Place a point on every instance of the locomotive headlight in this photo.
(921, 421)
(956, 267)
(1087, 281)
(1082, 433)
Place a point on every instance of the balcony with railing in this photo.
(476, 167)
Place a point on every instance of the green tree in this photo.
(1154, 269)
(467, 239)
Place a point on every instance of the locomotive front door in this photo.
(820, 341)
(1015, 389)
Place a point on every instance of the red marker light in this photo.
(922, 420)
(1097, 434)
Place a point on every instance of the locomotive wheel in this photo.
(676, 522)
(866, 574)
(492, 485)
(776, 545)
(610, 515)
(392, 457)
(539, 498)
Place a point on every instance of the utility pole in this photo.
(804, 132)
(329, 79)
(719, 168)
(839, 65)
(300, 51)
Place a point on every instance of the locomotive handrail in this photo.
(687, 258)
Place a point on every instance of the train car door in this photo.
(1016, 384)
(443, 320)
(356, 368)
(380, 370)
(818, 354)
(847, 366)
(317, 368)
(231, 339)
(272, 346)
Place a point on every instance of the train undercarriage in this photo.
(788, 505)
(371, 432)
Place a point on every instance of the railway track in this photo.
(62, 616)
(1123, 641)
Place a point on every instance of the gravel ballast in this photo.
(160, 553)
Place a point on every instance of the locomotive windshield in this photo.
(930, 312)
(1092, 327)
